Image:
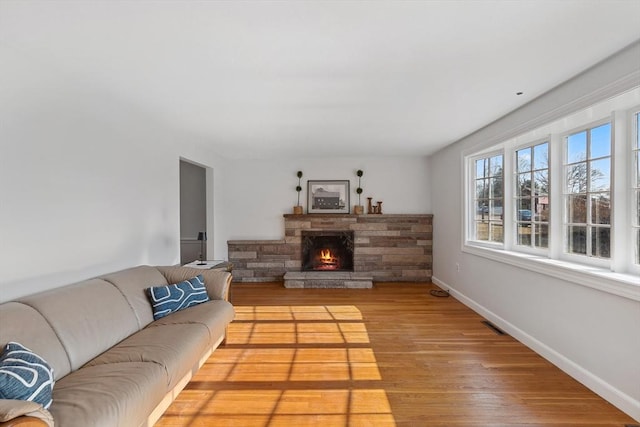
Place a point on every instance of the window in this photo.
(562, 212)
(488, 199)
(532, 196)
(635, 151)
(588, 192)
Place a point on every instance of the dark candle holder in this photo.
(202, 237)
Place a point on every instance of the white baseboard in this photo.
(621, 400)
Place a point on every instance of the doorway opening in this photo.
(193, 211)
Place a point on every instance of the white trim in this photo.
(621, 400)
(624, 285)
(632, 132)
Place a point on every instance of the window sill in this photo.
(624, 285)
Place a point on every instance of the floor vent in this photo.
(632, 425)
(494, 328)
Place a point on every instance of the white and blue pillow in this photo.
(25, 376)
(169, 299)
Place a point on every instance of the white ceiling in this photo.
(312, 78)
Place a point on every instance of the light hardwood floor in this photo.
(390, 356)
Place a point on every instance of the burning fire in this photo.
(325, 256)
(327, 261)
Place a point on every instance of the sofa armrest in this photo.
(218, 282)
(23, 413)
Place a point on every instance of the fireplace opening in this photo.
(327, 250)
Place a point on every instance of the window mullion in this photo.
(588, 201)
(508, 191)
(556, 196)
(633, 195)
(621, 204)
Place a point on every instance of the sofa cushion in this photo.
(133, 283)
(88, 317)
(24, 324)
(24, 375)
(177, 348)
(119, 394)
(215, 315)
(171, 298)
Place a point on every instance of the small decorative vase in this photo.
(297, 210)
(358, 209)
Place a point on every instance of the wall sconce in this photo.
(202, 236)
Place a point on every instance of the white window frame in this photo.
(578, 258)
(618, 276)
(514, 195)
(470, 228)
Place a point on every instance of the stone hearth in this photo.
(327, 279)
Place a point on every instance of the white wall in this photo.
(592, 335)
(88, 183)
(259, 192)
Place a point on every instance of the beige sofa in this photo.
(113, 364)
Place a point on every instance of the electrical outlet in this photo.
(458, 267)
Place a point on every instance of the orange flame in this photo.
(325, 255)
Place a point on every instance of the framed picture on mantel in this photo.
(328, 196)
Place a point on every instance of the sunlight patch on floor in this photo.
(315, 360)
(296, 333)
(302, 312)
(295, 407)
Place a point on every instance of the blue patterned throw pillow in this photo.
(25, 376)
(168, 299)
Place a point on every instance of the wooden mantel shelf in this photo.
(368, 216)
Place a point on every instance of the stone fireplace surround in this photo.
(388, 247)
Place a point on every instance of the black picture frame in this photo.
(336, 199)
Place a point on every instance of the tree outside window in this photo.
(588, 192)
(532, 203)
(489, 199)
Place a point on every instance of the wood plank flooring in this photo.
(393, 355)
